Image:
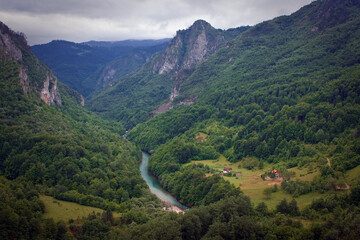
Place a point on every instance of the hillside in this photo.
(88, 67)
(50, 144)
(151, 90)
(255, 129)
(284, 96)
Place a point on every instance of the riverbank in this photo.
(172, 208)
(171, 203)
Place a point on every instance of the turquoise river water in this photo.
(154, 186)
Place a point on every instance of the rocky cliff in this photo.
(184, 52)
(189, 48)
(32, 73)
(155, 87)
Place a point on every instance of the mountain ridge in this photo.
(14, 46)
(164, 72)
(82, 66)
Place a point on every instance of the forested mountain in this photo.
(292, 78)
(153, 88)
(283, 94)
(256, 129)
(61, 150)
(87, 67)
(128, 43)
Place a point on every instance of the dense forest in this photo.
(91, 66)
(279, 102)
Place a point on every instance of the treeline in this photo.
(70, 152)
(156, 131)
(171, 156)
(188, 183)
(236, 218)
(280, 89)
(21, 213)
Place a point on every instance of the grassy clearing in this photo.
(250, 182)
(62, 210)
(353, 175)
(202, 136)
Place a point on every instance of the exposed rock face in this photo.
(49, 93)
(188, 49)
(12, 47)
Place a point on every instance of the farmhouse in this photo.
(276, 173)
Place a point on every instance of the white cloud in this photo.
(83, 20)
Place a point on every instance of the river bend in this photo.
(155, 187)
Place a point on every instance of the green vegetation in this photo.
(283, 95)
(86, 67)
(280, 93)
(21, 211)
(65, 211)
(133, 97)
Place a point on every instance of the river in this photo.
(155, 188)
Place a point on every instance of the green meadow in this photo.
(63, 210)
(251, 183)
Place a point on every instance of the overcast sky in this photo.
(112, 20)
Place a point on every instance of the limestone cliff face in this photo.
(50, 93)
(184, 52)
(13, 46)
(189, 48)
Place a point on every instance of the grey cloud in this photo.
(82, 20)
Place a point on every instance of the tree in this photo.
(267, 192)
(293, 208)
(262, 209)
(283, 207)
(190, 227)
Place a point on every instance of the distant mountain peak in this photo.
(189, 47)
(201, 23)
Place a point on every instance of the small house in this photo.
(276, 173)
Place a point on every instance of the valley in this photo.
(245, 133)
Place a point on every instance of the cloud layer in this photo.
(110, 20)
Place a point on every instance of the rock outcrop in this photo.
(184, 52)
(189, 48)
(13, 46)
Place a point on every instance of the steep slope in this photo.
(123, 65)
(134, 97)
(65, 150)
(308, 58)
(35, 78)
(284, 94)
(87, 67)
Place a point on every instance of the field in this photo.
(62, 210)
(353, 175)
(250, 182)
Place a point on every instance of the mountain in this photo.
(129, 43)
(54, 146)
(88, 67)
(151, 90)
(35, 78)
(267, 149)
(293, 64)
(283, 97)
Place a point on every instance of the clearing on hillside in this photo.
(62, 210)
